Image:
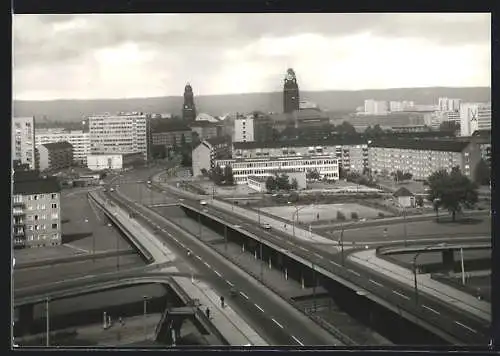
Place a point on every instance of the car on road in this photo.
(266, 226)
(203, 202)
(111, 189)
(149, 182)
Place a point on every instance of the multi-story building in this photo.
(291, 97)
(121, 133)
(206, 130)
(421, 158)
(447, 104)
(473, 117)
(326, 165)
(79, 139)
(171, 134)
(36, 210)
(351, 155)
(376, 107)
(244, 129)
(188, 108)
(395, 106)
(23, 141)
(209, 150)
(56, 155)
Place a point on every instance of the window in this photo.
(55, 216)
(53, 196)
(35, 197)
(30, 207)
(36, 217)
(44, 227)
(37, 227)
(30, 227)
(54, 206)
(55, 236)
(54, 226)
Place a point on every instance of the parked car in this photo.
(266, 226)
(203, 202)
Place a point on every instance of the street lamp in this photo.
(341, 243)
(415, 268)
(436, 203)
(145, 299)
(404, 225)
(296, 213)
(47, 320)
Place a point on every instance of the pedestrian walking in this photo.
(222, 301)
(207, 311)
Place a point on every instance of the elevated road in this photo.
(451, 322)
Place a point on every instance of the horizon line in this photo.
(246, 93)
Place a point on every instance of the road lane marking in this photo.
(302, 248)
(353, 272)
(465, 326)
(274, 320)
(198, 257)
(183, 246)
(375, 282)
(228, 282)
(206, 264)
(258, 307)
(217, 273)
(244, 295)
(432, 310)
(335, 263)
(298, 341)
(318, 255)
(401, 295)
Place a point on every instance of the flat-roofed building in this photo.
(36, 210)
(326, 165)
(79, 139)
(23, 141)
(115, 161)
(56, 155)
(209, 150)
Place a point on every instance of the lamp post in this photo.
(415, 269)
(341, 242)
(261, 260)
(436, 202)
(145, 300)
(258, 214)
(404, 225)
(47, 320)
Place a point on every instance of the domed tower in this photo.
(290, 92)
(188, 109)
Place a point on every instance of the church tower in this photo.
(290, 92)
(188, 109)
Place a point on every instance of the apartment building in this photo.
(244, 129)
(447, 104)
(36, 210)
(119, 134)
(23, 141)
(376, 107)
(205, 154)
(170, 135)
(79, 140)
(421, 158)
(473, 117)
(114, 161)
(55, 155)
(326, 165)
(351, 154)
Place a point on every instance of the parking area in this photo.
(311, 213)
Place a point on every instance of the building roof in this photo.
(403, 192)
(23, 176)
(282, 158)
(300, 143)
(38, 186)
(259, 179)
(218, 140)
(309, 113)
(204, 123)
(419, 144)
(58, 145)
(170, 127)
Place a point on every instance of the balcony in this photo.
(18, 212)
(19, 233)
(18, 203)
(19, 222)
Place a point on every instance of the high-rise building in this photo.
(376, 107)
(121, 133)
(291, 98)
(23, 141)
(244, 129)
(474, 117)
(79, 139)
(188, 109)
(447, 104)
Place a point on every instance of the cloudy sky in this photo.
(123, 56)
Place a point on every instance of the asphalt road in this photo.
(270, 315)
(465, 327)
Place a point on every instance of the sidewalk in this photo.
(426, 284)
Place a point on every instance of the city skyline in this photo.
(100, 56)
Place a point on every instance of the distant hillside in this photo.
(74, 110)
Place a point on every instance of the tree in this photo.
(270, 184)
(345, 129)
(314, 174)
(452, 190)
(228, 175)
(398, 176)
(294, 185)
(419, 201)
(407, 176)
(183, 140)
(217, 175)
(340, 215)
(449, 126)
(283, 182)
(482, 173)
(204, 172)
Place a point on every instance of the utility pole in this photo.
(145, 310)
(261, 262)
(404, 225)
(47, 320)
(258, 214)
(342, 244)
(117, 252)
(314, 287)
(462, 264)
(199, 223)
(225, 237)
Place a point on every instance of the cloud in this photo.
(122, 55)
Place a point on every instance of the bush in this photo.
(340, 215)
(381, 214)
(354, 215)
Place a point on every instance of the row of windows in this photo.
(41, 196)
(40, 227)
(42, 237)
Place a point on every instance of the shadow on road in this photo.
(64, 221)
(67, 238)
(460, 221)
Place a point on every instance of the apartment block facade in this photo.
(207, 152)
(326, 165)
(23, 141)
(56, 155)
(36, 211)
(121, 133)
(79, 139)
(474, 117)
(421, 158)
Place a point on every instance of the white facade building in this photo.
(447, 104)
(376, 107)
(23, 140)
(326, 165)
(121, 133)
(395, 106)
(79, 139)
(244, 129)
(115, 161)
(473, 117)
